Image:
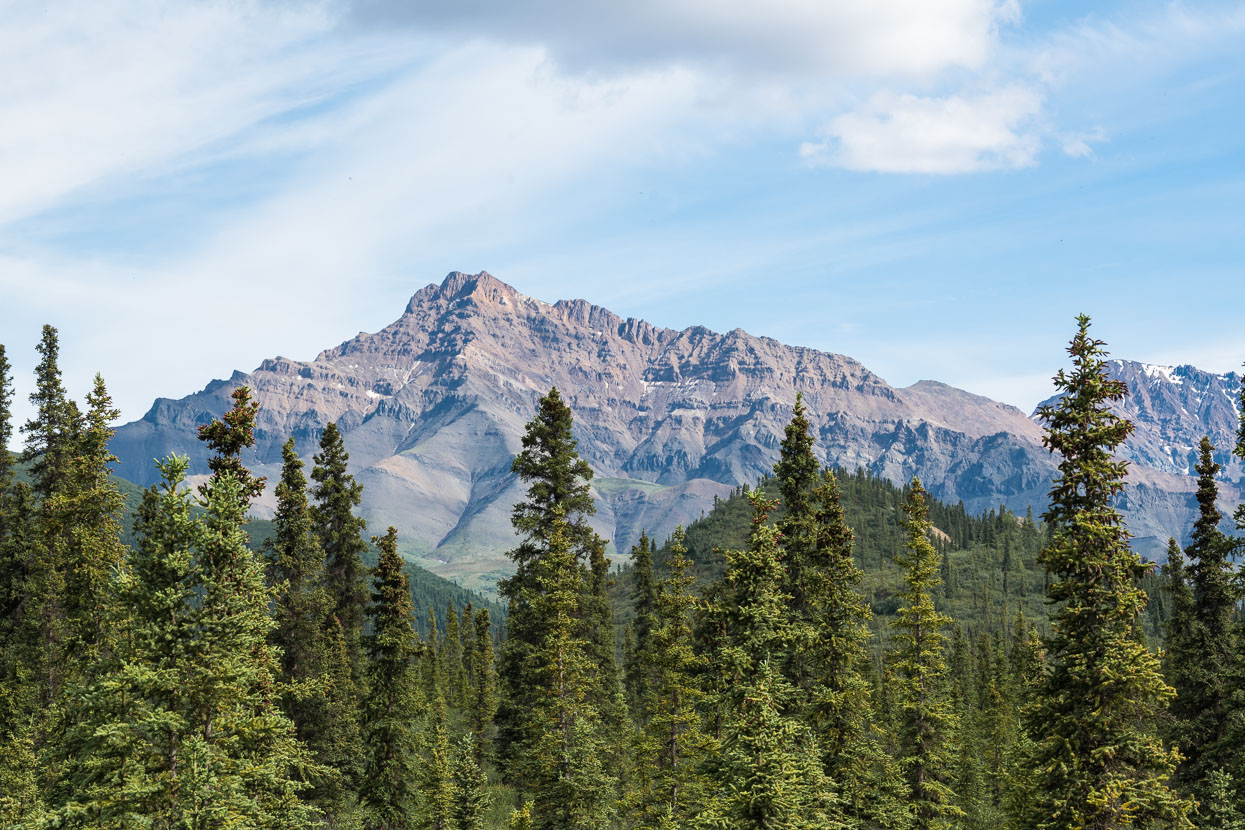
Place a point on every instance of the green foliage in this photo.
(52, 432)
(1096, 761)
(768, 772)
(557, 497)
(561, 763)
(229, 435)
(340, 532)
(394, 704)
(437, 782)
(1204, 648)
(179, 726)
(927, 720)
(670, 788)
(318, 693)
(470, 794)
(482, 700)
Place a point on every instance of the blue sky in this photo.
(934, 187)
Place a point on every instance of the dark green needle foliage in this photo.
(470, 793)
(671, 788)
(394, 705)
(1097, 760)
(768, 771)
(1204, 647)
(557, 495)
(482, 700)
(927, 720)
(229, 435)
(562, 759)
(180, 728)
(318, 692)
(336, 494)
(52, 433)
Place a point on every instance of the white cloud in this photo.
(806, 37)
(954, 134)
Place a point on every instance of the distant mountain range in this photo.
(432, 408)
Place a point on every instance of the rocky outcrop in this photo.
(432, 408)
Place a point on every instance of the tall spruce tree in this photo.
(830, 631)
(928, 721)
(470, 788)
(557, 480)
(394, 705)
(179, 727)
(6, 438)
(436, 778)
(483, 698)
(229, 435)
(561, 762)
(1097, 762)
(1177, 629)
(52, 432)
(340, 531)
(20, 796)
(638, 668)
(768, 772)
(839, 705)
(1207, 642)
(318, 692)
(83, 518)
(674, 745)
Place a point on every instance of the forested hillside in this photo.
(821, 650)
(989, 571)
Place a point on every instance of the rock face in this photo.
(1171, 408)
(432, 408)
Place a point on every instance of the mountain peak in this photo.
(458, 284)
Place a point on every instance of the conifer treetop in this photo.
(229, 435)
(557, 478)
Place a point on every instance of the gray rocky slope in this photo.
(432, 408)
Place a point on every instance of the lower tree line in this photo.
(191, 681)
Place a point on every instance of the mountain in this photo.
(432, 408)
(1171, 408)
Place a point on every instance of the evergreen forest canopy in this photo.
(823, 650)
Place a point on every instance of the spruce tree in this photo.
(483, 699)
(340, 531)
(437, 782)
(229, 435)
(241, 760)
(52, 432)
(768, 772)
(557, 480)
(797, 472)
(927, 719)
(644, 602)
(318, 692)
(394, 704)
(83, 528)
(6, 438)
(1097, 762)
(674, 745)
(178, 726)
(839, 702)
(1201, 705)
(561, 764)
(470, 788)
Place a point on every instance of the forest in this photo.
(824, 649)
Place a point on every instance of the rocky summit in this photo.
(432, 408)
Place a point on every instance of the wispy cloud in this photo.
(952, 134)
